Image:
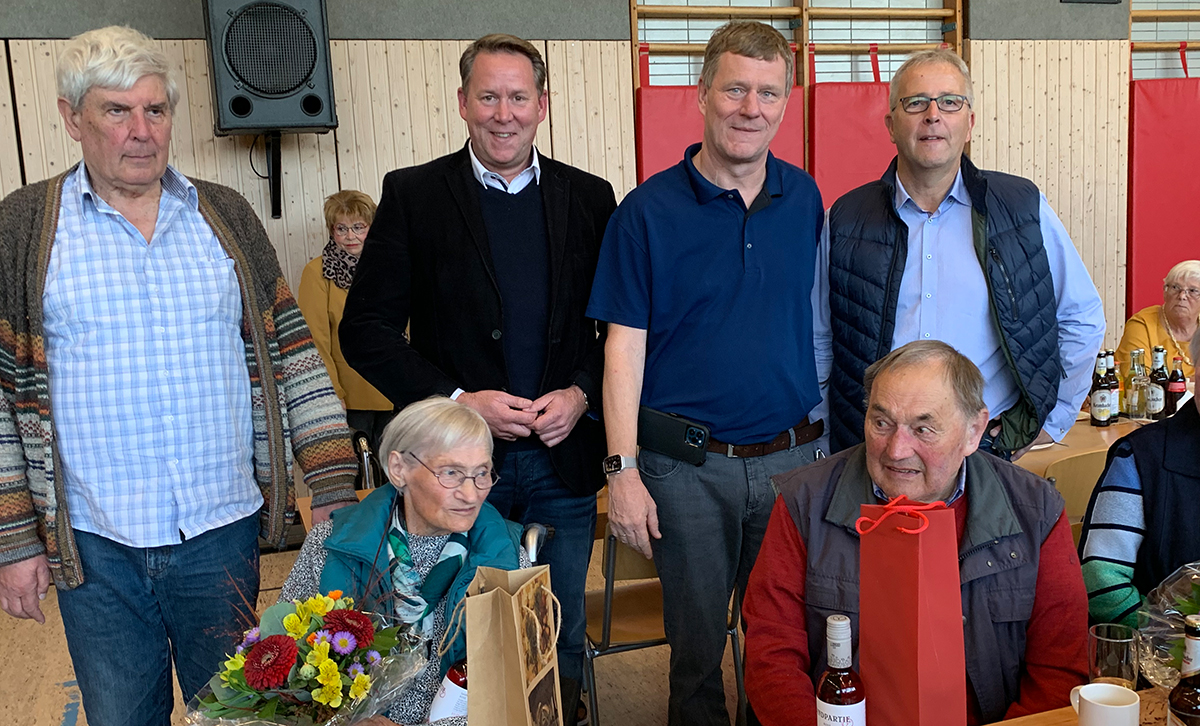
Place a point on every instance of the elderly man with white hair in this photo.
(158, 384)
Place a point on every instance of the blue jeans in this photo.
(530, 490)
(712, 518)
(140, 609)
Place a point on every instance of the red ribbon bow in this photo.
(899, 505)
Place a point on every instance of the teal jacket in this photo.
(356, 557)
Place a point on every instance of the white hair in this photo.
(937, 56)
(432, 427)
(115, 57)
(1186, 270)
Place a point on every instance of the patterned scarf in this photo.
(338, 265)
(417, 599)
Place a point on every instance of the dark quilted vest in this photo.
(868, 245)
(1010, 512)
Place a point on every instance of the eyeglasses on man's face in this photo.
(1181, 291)
(947, 102)
(357, 228)
(452, 478)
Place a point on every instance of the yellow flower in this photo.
(330, 695)
(302, 610)
(296, 626)
(318, 655)
(360, 686)
(235, 663)
(318, 604)
(328, 674)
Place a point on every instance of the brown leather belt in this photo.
(801, 433)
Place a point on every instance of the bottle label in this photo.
(451, 700)
(1156, 399)
(1191, 657)
(1102, 404)
(1177, 386)
(830, 715)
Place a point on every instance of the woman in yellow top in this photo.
(1171, 324)
(323, 287)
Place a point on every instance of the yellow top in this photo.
(322, 303)
(1146, 330)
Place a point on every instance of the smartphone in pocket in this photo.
(672, 435)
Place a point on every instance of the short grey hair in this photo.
(921, 58)
(1186, 270)
(962, 375)
(115, 57)
(434, 426)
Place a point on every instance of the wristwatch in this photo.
(616, 464)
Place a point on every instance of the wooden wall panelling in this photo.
(591, 109)
(45, 145)
(10, 155)
(1057, 113)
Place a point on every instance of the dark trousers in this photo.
(712, 518)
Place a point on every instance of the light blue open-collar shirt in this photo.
(943, 296)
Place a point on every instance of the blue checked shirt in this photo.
(147, 370)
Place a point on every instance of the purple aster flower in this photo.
(252, 637)
(373, 657)
(355, 669)
(322, 636)
(239, 650)
(344, 643)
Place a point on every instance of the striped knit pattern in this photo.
(296, 415)
(1112, 534)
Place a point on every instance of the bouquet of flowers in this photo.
(1160, 621)
(314, 663)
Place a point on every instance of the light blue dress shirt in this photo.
(943, 296)
(147, 370)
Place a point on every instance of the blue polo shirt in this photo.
(723, 293)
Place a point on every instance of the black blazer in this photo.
(427, 265)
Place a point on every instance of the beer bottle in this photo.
(1135, 385)
(1116, 384)
(1176, 386)
(1184, 701)
(1156, 391)
(1102, 395)
(841, 699)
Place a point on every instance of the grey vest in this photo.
(868, 243)
(1010, 513)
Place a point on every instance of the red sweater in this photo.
(777, 660)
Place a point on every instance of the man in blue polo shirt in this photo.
(705, 278)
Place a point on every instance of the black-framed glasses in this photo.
(1180, 290)
(357, 228)
(452, 478)
(947, 102)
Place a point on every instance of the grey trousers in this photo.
(712, 518)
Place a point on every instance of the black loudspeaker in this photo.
(269, 61)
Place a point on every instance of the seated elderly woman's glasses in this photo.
(454, 478)
(358, 228)
(1177, 290)
(948, 102)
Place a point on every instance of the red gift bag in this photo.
(911, 653)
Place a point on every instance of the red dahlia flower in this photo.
(352, 622)
(269, 662)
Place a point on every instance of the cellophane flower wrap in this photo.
(1160, 621)
(319, 662)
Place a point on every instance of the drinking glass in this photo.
(1113, 655)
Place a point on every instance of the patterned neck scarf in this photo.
(416, 599)
(338, 265)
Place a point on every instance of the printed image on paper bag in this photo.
(543, 701)
(537, 625)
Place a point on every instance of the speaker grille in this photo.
(270, 48)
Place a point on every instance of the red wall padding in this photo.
(1164, 184)
(848, 144)
(667, 121)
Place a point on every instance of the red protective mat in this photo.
(668, 120)
(1164, 184)
(848, 143)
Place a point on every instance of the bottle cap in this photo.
(837, 627)
(1192, 620)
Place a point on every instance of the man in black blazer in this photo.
(487, 255)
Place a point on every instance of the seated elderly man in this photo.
(1148, 487)
(1025, 621)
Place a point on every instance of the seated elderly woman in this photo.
(416, 544)
(1144, 518)
(1171, 324)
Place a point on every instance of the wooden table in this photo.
(1082, 438)
(1154, 713)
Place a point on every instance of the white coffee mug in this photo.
(1104, 704)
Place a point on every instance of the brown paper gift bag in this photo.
(512, 622)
